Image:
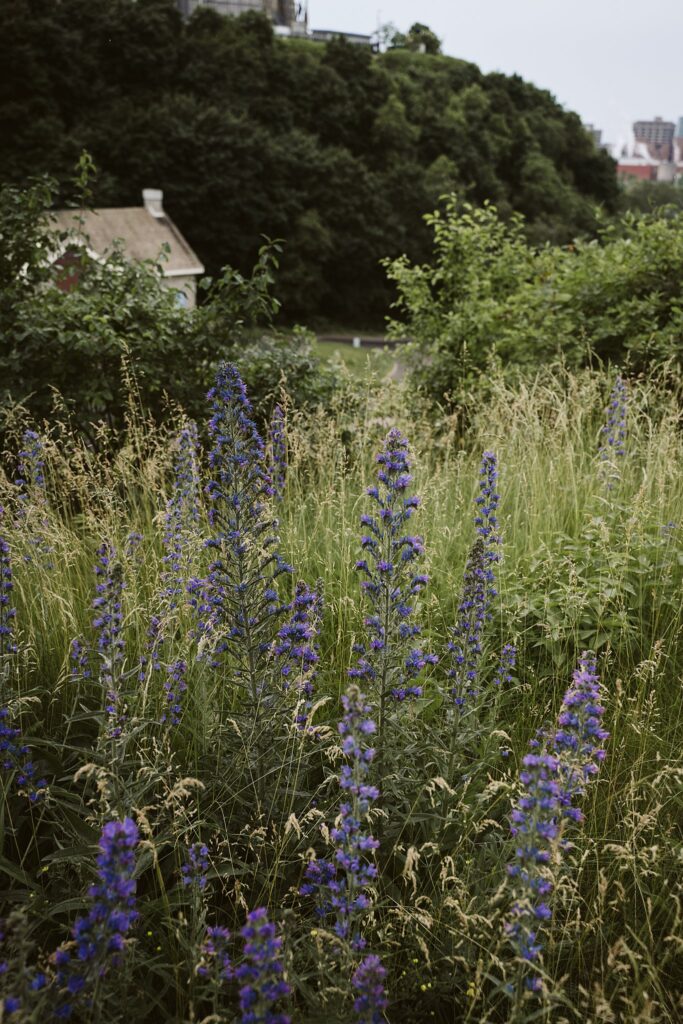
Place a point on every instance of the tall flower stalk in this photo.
(15, 756)
(554, 774)
(33, 497)
(100, 936)
(110, 644)
(242, 595)
(262, 974)
(474, 610)
(341, 887)
(370, 997)
(614, 430)
(390, 663)
(296, 648)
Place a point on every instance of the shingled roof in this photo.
(142, 230)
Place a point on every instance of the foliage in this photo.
(82, 343)
(488, 297)
(335, 149)
(418, 37)
(207, 821)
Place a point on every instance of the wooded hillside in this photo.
(334, 149)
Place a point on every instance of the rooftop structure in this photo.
(144, 232)
(289, 15)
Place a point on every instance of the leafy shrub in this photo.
(120, 321)
(488, 298)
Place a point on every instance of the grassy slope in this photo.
(583, 565)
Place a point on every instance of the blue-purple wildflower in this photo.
(196, 866)
(7, 612)
(100, 935)
(506, 665)
(579, 738)
(33, 497)
(242, 592)
(466, 647)
(110, 645)
(262, 974)
(341, 888)
(277, 452)
(80, 659)
(15, 757)
(174, 688)
(31, 466)
(215, 962)
(370, 997)
(296, 647)
(150, 660)
(553, 775)
(389, 661)
(614, 430)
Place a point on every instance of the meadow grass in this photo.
(592, 558)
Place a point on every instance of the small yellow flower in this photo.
(423, 988)
(314, 932)
(149, 934)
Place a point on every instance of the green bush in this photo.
(121, 322)
(488, 297)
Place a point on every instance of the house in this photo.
(144, 232)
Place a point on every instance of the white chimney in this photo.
(153, 199)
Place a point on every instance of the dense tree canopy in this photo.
(332, 148)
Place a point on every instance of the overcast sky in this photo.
(612, 61)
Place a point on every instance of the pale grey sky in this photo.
(612, 61)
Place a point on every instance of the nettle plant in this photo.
(250, 855)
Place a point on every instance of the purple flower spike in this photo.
(100, 935)
(614, 430)
(579, 738)
(262, 973)
(506, 665)
(110, 645)
(474, 610)
(174, 689)
(33, 497)
(368, 982)
(344, 894)
(195, 869)
(215, 961)
(388, 660)
(296, 647)
(552, 776)
(15, 757)
(277, 452)
(241, 592)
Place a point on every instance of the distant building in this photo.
(595, 133)
(143, 231)
(655, 152)
(325, 35)
(290, 16)
(657, 136)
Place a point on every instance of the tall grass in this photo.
(588, 562)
